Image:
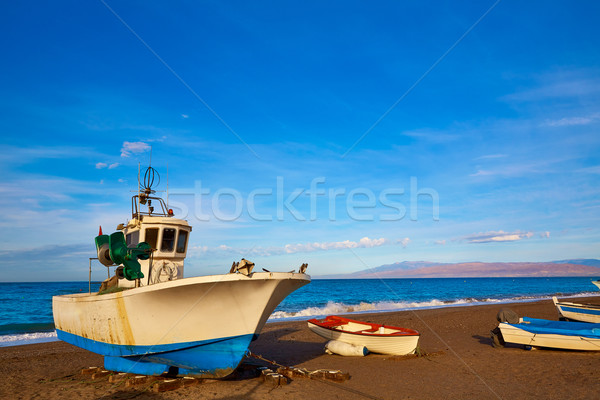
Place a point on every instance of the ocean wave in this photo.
(382, 306)
(387, 306)
(27, 338)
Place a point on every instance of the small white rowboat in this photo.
(375, 337)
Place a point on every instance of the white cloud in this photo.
(545, 234)
(133, 148)
(491, 156)
(576, 83)
(440, 242)
(521, 168)
(299, 247)
(432, 136)
(102, 165)
(497, 236)
(571, 121)
(346, 244)
(404, 242)
(590, 170)
(185, 116)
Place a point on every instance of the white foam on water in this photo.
(342, 308)
(27, 338)
(387, 306)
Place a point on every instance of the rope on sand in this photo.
(320, 375)
(294, 372)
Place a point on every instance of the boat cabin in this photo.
(166, 236)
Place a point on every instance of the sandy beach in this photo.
(462, 364)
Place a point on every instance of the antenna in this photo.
(139, 207)
(167, 185)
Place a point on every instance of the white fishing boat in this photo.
(376, 338)
(148, 319)
(553, 334)
(577, 312)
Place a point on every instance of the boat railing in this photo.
(138, 200)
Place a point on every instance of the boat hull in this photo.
(578, 312)
(552, 334)
(201, 326)
(398, 344)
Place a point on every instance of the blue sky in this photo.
(425, 131)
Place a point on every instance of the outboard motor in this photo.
(504, 315)
(507, 315)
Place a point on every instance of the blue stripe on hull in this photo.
(580, 310)
(206, 358)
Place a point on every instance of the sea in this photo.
(26, 307)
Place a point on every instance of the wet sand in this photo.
(462, 364)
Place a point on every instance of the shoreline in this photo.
(25, 338)
(461, 364)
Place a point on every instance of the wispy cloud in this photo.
(346, 244)
(521, 168)
(24, 155)
(130, 148)
(432, 136)
(491, 157)
(590, 170)
(560, 84)
(365, 242)
(101, 165)
(66, 259)
(509, 170)
(573, 121)
(404, 242)
(497, 236)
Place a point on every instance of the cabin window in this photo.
(132, 239)
(168, 240)
(151, 237)
(181, 240)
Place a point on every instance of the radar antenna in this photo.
(151, 179)
(145, 195)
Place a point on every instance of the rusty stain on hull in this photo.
(123, 322)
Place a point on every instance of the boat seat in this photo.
(371, 330)
(331, 324)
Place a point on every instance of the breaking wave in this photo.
(27, 338)
(386, 306)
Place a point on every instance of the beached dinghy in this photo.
(148, 319)
(554, 334)
(376, 338)
(577, 312)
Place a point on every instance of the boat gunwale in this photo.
(206, 279)
(580, 305)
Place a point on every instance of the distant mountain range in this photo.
(425, 269)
